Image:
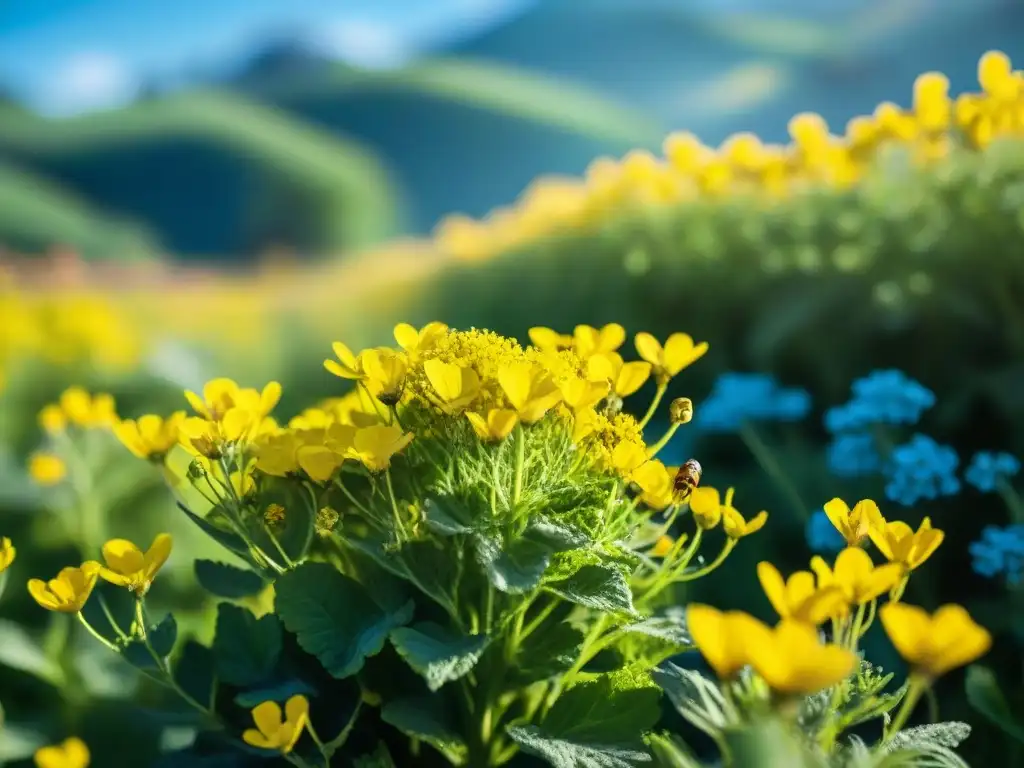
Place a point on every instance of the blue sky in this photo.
(68, 56)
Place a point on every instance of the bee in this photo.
(687, 478)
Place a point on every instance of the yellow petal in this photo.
(267, 717)
(501, 422)
(254, 738)
(445, 378)
(516, 380)
(907, 627)
(406, 336)
(680, 352)
(648, 348)
(297, 706)
(319, 462)
(237, 423)
(774, 587)
(632, 376)
(269, 397)
(838, 513)
(157, 554)
(123, 557)
(38, 589)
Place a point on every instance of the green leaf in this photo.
(436, 653)
(556, 537)
(599, 587)
(230, 541)
(424, 564)
(443, 517)
(596, 724)
(949, 735)
(655, 639)
(161, 639)
(19, 651)
(195, 672)
(548, 651)
(984, 695)
(426, 718)
(514, 568)
(334, 617)
(671, 752)
(562, 753)
(245, 649)
(227, 581)
(697, 698)
(379, 758)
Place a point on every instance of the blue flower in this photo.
(921, 469)
(854, 455)
(1000, 551)
(988, 468)
(822, 536)
(881, 397)
(739, 397)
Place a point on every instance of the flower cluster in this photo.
(988, 470)
(1000, 552)
(743, 164)
(76, 411)
(793, 660)
(737, 398)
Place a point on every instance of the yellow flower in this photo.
(456, 386)
(128, 566)
(273, 732)
(623, 378)
(856, 524)
(589, 341)
(347, 366)
(69, 591)
(7, 553)
(793, 661)
(899, 543)
(657, 483)
(72, 753)
(52, 418)
(663, 546)
(859, 579)
(584, 424)
(678, 353)
(47, 468)
(628, 457)
(581, 394)
(222, 397)
(548, 340)
(935, 644)
(736, 527)
(995, 75)
(497, 426)
(706, 506)
(374, 446)
(797, 597)
(151, 437)
(723, 639)
(530, 390)
(416, 342)
(87, 410)
(385, 372)
(932, 106)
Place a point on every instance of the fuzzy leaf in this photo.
(424, 564)
(245, 649)
(984, 695)
(670, 627)
(425, 718)
(556, 537)
(436, 653)
(227, 581)
(948, 735)
(443, 518)
(561, 753)
(546, 652)
(596, 724)
(599, 587)
(334, 617)
(697, 698)
(515, 568)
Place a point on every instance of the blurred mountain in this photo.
(292, 148)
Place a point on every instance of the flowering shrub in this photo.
(473, 552)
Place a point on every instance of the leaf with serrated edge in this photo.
(560, 753)
(598, 587)
(436, 653)
(334, 617)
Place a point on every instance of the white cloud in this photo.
(88, 81)
(365, 43)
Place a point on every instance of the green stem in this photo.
(655, 402)
(517, 483)
(771, 467)
(537, 620)
(1012, 500)
(701, 572)
(161, 663)
(872, 612)
(92, 631)
(110, 618)
(916, 688)
(399, 528)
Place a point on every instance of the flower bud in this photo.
(326, 520)
(680, 411)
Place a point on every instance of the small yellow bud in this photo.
(274, 514)
(680, 411)
(326, 520)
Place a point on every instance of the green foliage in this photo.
(908, 256)
(985, 697)
(246, 649)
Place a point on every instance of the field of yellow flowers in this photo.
(559, 542)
